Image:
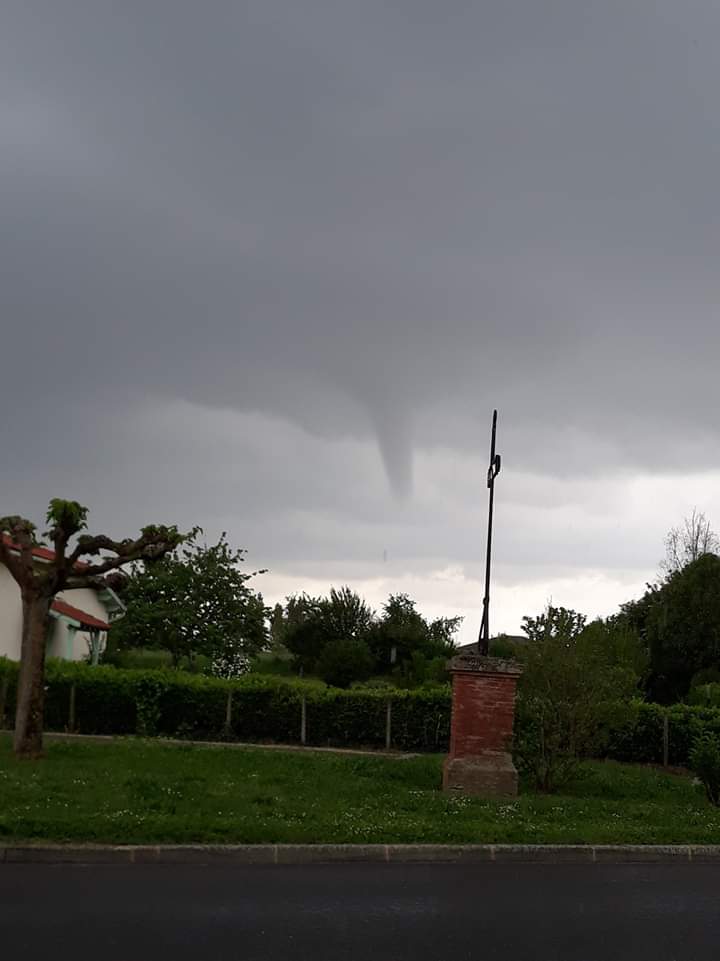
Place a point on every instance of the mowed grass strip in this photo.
(146, 792)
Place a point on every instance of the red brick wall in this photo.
(483, 710)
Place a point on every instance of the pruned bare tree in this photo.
(82, 565)
(687, 543)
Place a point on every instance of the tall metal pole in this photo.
(493, 471)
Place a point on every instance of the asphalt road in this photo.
(380, 912)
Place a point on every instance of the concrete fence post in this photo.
(303, 720)
(71, 713)
(228, 712)
(388, 724)
(3, 700)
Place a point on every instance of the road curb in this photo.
(285, 854)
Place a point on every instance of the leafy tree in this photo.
(503, 647)
(708, 675)
(39, 584)
(277, 628)
(683, 546)
(689, 542)
(682, 627)
(705, 695)
(400, 631)
(345, 661)
(345, 614)
(400, 640)
(302, 631)
(554, 622)
(619, 643)
(193, 601)
(402, 634)
(570, 685)
(441, 635)
(635, 614)
(419, 669)
(312, 623)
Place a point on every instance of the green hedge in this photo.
(638, 736)
(420, 719)
(110, 700)
(8, 687)
(265, 708)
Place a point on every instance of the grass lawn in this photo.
(140, 791)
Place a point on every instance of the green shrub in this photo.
(502, 647)
(685, 724)
(138, 658)
(8, 687)
(8, 668)
(192, 706)
(634, 734)
(273, 664)
(705, 763)
(708, 675)
(267, 709)
(386, 684)
(149, 691)
(344, 661)
(705, 695)
(568, 694)
(421, 719)
(105, 701)
(418, 669)
(338, 717)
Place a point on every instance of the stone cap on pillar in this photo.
(479, 664)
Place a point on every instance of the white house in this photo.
(80, 618)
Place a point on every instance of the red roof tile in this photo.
(43, 553)
(87, 620)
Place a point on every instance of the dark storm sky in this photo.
(268, 266)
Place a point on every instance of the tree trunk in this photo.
(31, 683)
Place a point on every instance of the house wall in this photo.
(58, 645)
(70, 645)
(10, 615)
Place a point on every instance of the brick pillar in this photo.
(483, 710)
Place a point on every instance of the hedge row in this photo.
(107, 700)
(638, 736)
(263, 708)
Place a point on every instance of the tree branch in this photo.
(77, 581)
(67, 518)
(91, 546)
(10, 561)
(154, 543)
(21, 533)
